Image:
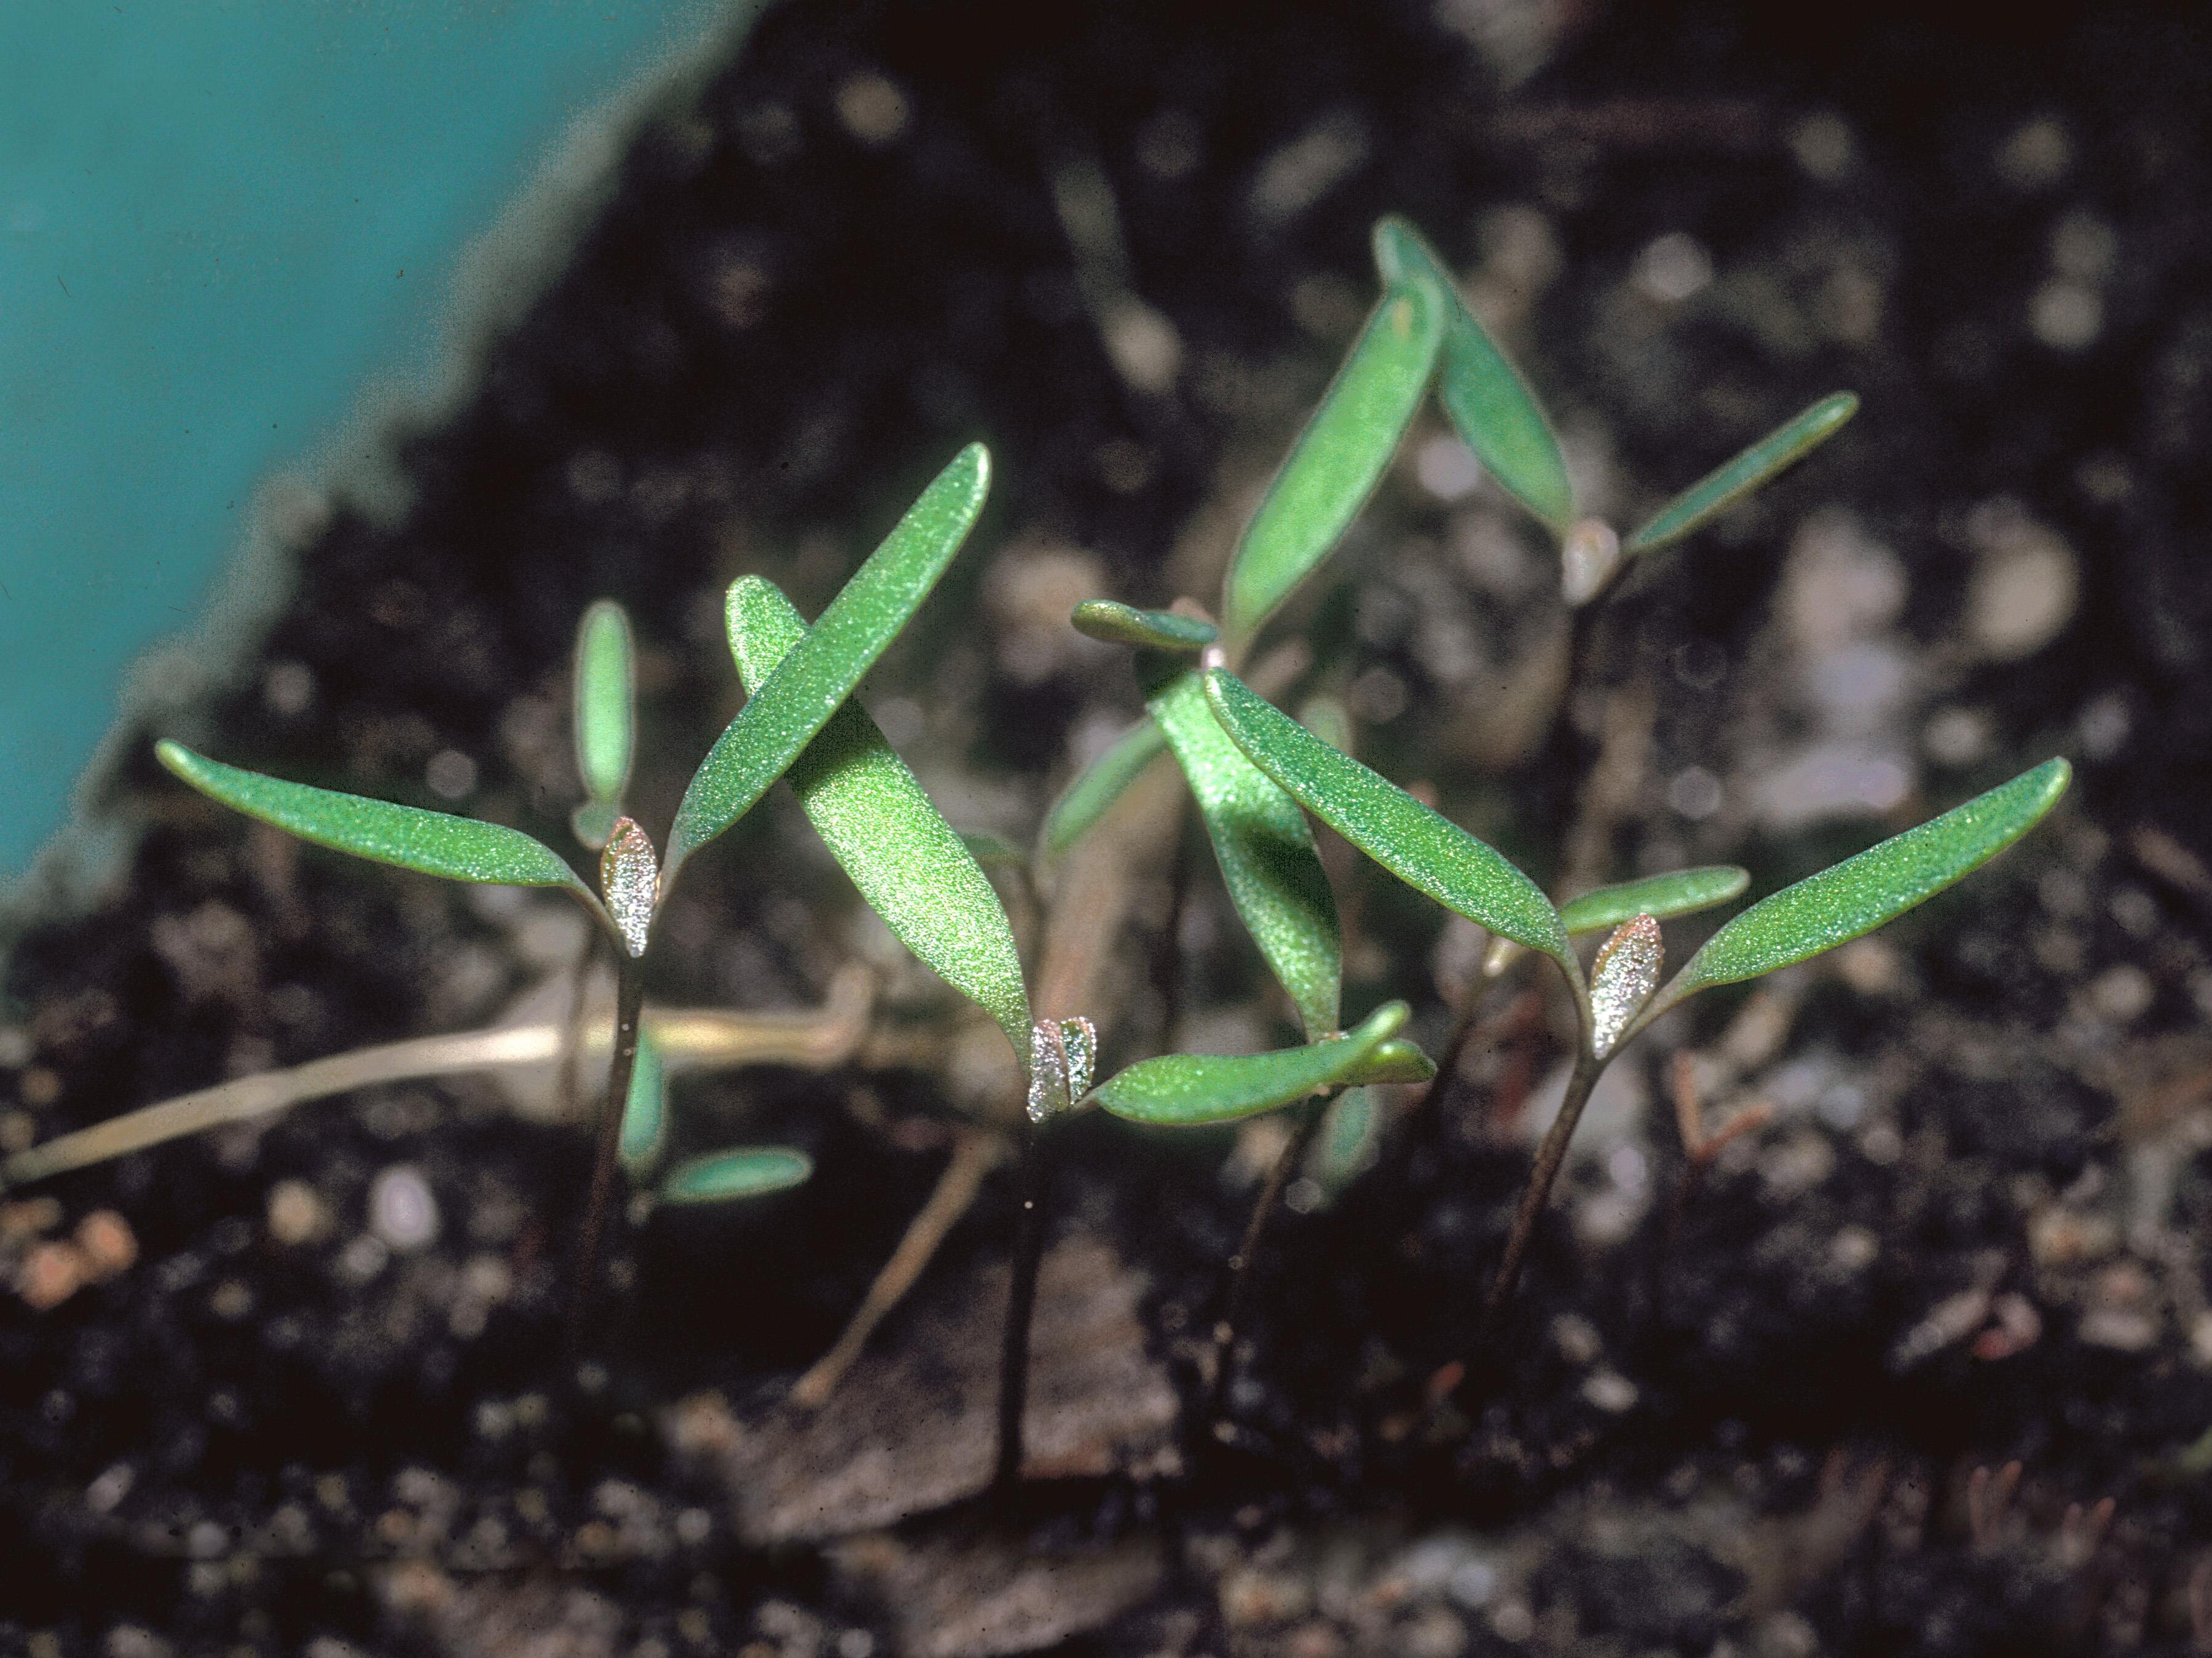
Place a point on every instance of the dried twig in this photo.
(689, 1039)
(975, 1153)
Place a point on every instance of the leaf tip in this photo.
(975, 460)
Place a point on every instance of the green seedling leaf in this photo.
(1677, 893)
(1350, 1139)
(908, 863)
(592, 821)
(1483, 394)
(1783, 447)
(431, 843)
(989, 849)
(605, 681)
(1425, 850)
(1157, 629)
(1098, 785)
(781, 717)
(1340, 456)
(644, 1114)
(1189, 1090)
(1329, 720)
(1266, 851)
(744, 1172)
(1395, 1061)
(1860, 893)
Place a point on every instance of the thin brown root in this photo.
(974, 1155)
(1989, 1500)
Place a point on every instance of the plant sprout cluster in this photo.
(1258, 778)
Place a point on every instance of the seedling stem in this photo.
(1286, 1165)
(1021, 1303)
(1549, 1156)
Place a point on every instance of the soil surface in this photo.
(1923, 1365)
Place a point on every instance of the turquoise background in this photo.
(219, 224)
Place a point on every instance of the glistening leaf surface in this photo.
(1340, 456)
(1788, 443)
(1425, 850)
(1861, 893)
(1099, 784)
(1395, 1061)
(432, 843)
(1264, 849)
(909, 863)
(1187, 1090)
(606, 702)
(1677, 893)
(744, 1172)
(1483, 394)
(794, 703)
(1125, 625)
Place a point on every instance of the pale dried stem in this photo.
(689, 1039)
(1613, 787)
(974, 1155)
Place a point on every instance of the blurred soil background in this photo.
(1923, 1367)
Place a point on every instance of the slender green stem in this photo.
(572, 1050)
(1549, 1156)
(1021, 1304)
(1255, 1230)
(629, 1003)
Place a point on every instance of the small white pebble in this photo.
(2123, 994)
(1694, 792)
(1823, 146)
(1957, 736)
(451, 774)
(874, 110)
(1610, 1392)
(401, 1211)
(1447, 468)
(1853, 1249)
(297, 1213)
(363, 1259)
(2036, 155)
(2066, 316)
(2104, 724)
(1673, 268)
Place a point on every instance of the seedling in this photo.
(1620, 994)
(815, 672)
(1420, 335)
(1255, 774)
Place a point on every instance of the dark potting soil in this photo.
(1969, 1236)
